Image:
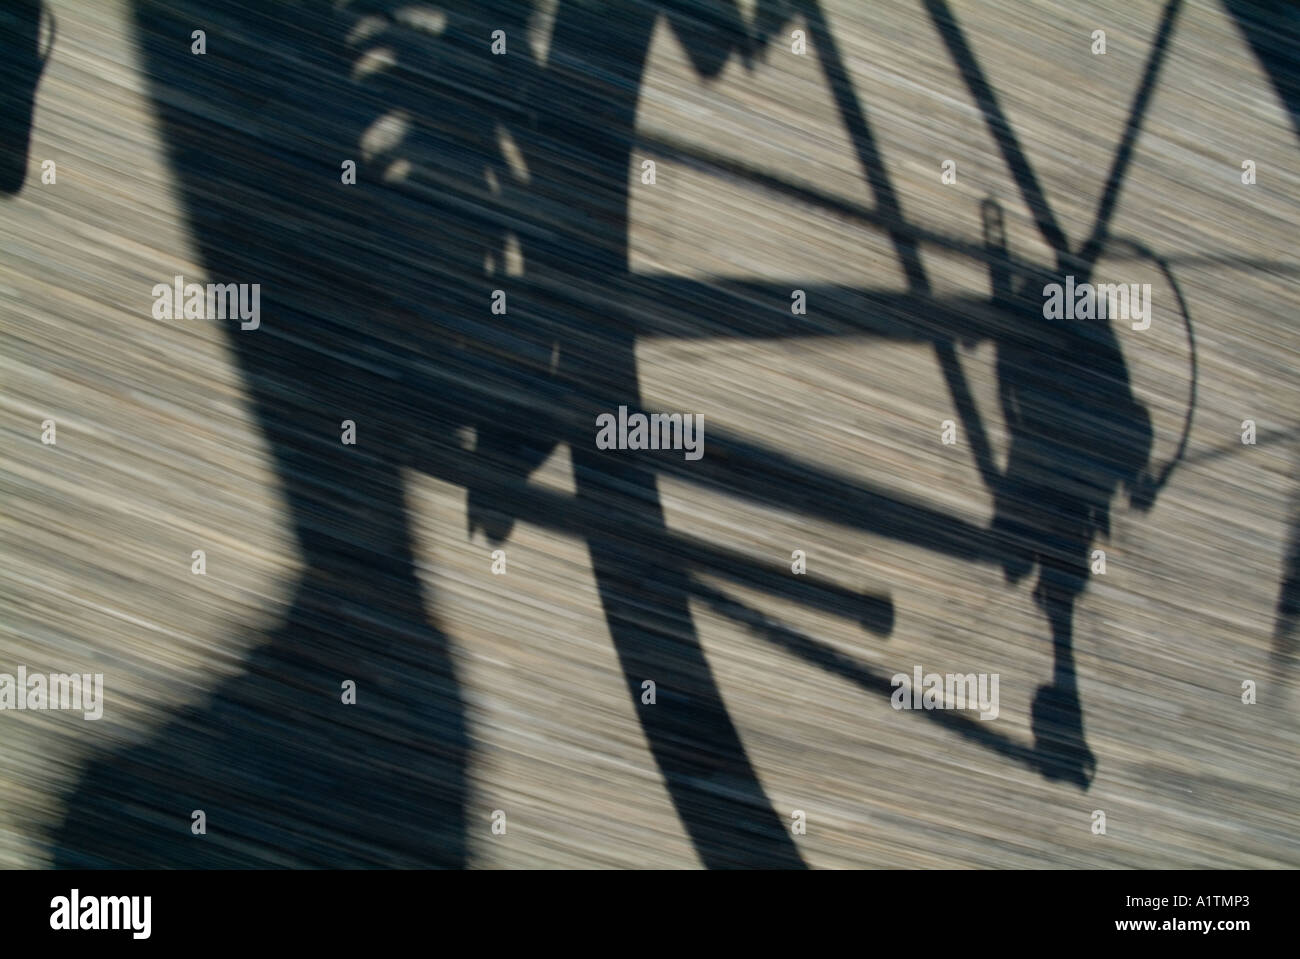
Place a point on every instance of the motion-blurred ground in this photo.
(762, 185)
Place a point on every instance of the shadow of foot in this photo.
(286, 773)
(1057, 722)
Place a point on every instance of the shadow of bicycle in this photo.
(477, 173)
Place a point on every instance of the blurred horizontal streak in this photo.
(748, 176)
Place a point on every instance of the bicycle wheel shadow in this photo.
(1272, 30)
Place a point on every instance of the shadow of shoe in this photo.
(502, 461)
(1057, 722)
(288, 772)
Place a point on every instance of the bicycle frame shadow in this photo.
(376, 309)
